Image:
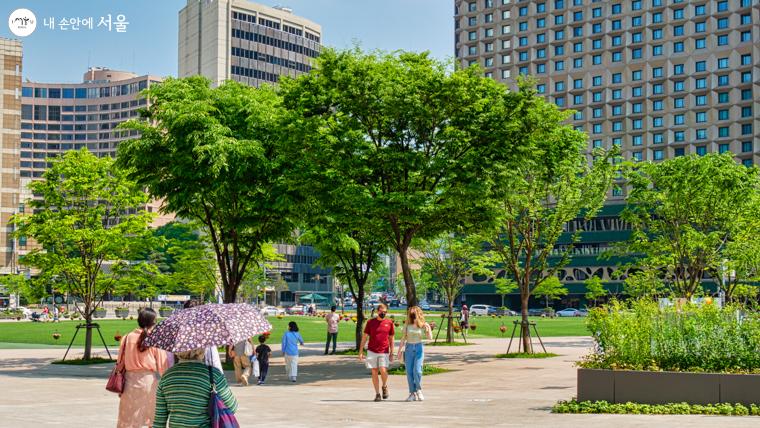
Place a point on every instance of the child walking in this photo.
(290, 341)
(262, 355)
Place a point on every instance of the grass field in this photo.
(15, 334)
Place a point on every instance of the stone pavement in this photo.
(336, 391)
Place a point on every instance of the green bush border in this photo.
(427, 369)
(81, 362)
(725, 409)
(527, 355)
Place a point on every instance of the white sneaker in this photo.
(419, 395)
(412, 397)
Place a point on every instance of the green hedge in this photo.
(656, 409)
(640, 336)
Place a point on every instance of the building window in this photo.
(747, 111)
(700, 100)
(657, 138)
(637, 107)
(523, 26)
(723, 40)
(635, 75)
(722, 6)
(657, 122)
(678, 86)
(700, 27)
(746, 146)
(723, 80)
(746, 36)
(723, 132)
(617, 94)
(678, 137)
(678, 68)
(723, 114)
(699, 66)
(723, 23)
(679, 119)
(678, 30)
(746, 19)
(723, 148)
(701, 150)
(747, 59)
(657, 105)
(636, 53)
(747, 162)
(699, 9)
(657, 89)
(722, 97)
(746, 94)
(700, 43)
(596, 59)
(657, 154)
(700, 83)
(635, 124)
(746, 129)
(657, 72)
(678, 103)
(678, 47)
(617, 110)
(596, 80)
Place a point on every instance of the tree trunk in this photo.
(411, 291)
(88, 336)
(230, 290)
(449, 337)
(525, 326)
(359, 318)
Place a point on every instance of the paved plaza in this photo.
(336, 391)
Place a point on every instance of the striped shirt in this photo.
(182, 397)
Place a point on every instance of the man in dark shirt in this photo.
(262, 355)
(379, 332)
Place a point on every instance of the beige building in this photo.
(10, 110)
(57, 117)
(659, 78)
(244, 41)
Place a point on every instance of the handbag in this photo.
(255, 366)
(117, 377)
(221, 416)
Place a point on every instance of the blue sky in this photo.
(149, 44)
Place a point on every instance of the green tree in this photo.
(594, 289)
(551, 184)
(644, 284)
(684, 212)
(212, 155)
(352, 254)
(257, 280)
(504, 286)
(449, 259)
(412, 142)
(550, 289)
(87, 214)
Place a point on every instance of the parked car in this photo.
(569, 312)
(273, 311)
(583, 312)
(506, 312)
(482, 310)
(295, 310)
(536, 312)
(424, 305)
(394, 303)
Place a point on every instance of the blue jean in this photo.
(413, 356)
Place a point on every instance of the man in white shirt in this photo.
(332, 329)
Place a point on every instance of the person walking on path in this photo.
(262, 354)
(332, 329)
(378, 336)
(182, 397)
(55, 313)
(138, 401)
(464, 320)
(290, 341)
(415, 330)
(241, 353)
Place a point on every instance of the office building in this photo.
(10, 133)
(657, 78)
(244, 41)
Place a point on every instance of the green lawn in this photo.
(313, 329)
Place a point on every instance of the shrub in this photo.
(641, 336)
(656, 409)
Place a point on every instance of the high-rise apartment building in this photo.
(10, 115)
(256, 44)
(244, 41)
(57, 117)
(657, 78)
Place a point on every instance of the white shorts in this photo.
(375, 360)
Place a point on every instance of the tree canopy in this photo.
(411, 142)
(212, 155)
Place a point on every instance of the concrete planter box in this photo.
(121, 313)
(165, 312)
(621, 386)
(100, 313)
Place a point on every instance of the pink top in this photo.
(332, 322)
(152, 360)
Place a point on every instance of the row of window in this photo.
(635, 108)
(659, 154)
(272, 24)
(275, 42)
(653, 89)
(678, 136)
(53, 113)
(561, 65)
(97, 92)
(721, 5)
(659, 138)
(254, 74)
(617, 8)
(271, 59)
(42, 136)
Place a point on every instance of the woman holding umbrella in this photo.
(185, 390)
(138, 401)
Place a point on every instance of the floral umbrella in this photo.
(208, 325)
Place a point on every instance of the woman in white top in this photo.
(415, 330)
